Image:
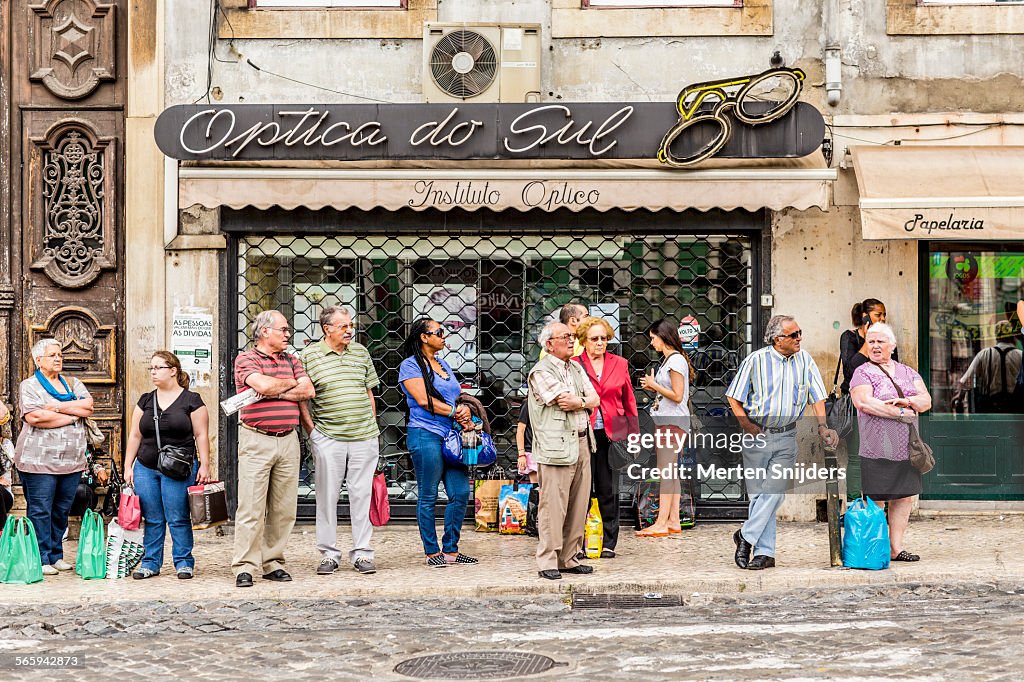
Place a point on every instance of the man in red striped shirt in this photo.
(268, 450)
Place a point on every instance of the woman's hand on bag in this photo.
(204, 475)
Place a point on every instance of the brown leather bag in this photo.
(921, 456)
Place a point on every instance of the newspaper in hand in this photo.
(238, 401)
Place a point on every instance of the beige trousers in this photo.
(562, 513)
(268, 487)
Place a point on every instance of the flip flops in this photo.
(650, 534)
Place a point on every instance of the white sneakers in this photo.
(49, 570)
(62, 565)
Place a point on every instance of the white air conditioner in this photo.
(481, 62)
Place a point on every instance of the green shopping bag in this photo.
(19, 553)
(91, 560)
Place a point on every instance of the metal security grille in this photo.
(494, 292)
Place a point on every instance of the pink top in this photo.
(882, 437)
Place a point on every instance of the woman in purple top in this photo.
(431, 391)
(884, 418)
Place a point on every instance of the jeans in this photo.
(48, 498)
(767, 494)
(165, 505)
(430, 470)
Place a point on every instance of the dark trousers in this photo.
(606, 489)
(48, 498)
(6, 503)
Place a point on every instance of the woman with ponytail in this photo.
(432, 389)
(184, 422)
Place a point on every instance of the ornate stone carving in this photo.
(77, 239)
(90, 348)
(72, 50)
(6, 299)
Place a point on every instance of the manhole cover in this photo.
(624, 601)
(475, 665)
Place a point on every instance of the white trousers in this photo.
(353, 463)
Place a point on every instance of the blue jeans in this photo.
(48, 498)
(165, 505)
(430, 470)
(767, 495)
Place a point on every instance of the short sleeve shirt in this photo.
(49, 451)
(449, 389)
(175, 425)
(269, 414)
(342, 409)
(882, 438)
(669, 408)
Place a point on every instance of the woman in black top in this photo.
(184, 422)
(853, 349)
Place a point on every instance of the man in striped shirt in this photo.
(268, 450)
(768, 395)
(342, 425)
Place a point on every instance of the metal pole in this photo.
(833, 505)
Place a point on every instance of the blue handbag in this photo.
(455, 454)
(865, 536)
(451, 447)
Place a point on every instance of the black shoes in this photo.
(742, 550)
(550, 574)
(607, 553)
(578, 570)
(278, 576)
(580, 556)
(761, 562)
(243, 580)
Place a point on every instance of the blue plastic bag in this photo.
(865, 536)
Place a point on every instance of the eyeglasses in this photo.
(156, 367)
(595, 339)
(795, 335)
(284, 330)
(439, 333)
(563, 337)
(342, 327)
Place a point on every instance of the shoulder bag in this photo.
(172, 461)
(839, 412)
(921, 456)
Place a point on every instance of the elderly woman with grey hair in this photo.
(888, 396)
(50, 454)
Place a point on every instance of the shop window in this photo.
(493, 293)
(973, 329)
(306, 19)
(647, 18)
(954, 17)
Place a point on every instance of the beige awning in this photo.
(927, 192)
(498, 189)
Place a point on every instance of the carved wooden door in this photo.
(68, 133)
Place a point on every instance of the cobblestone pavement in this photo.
(971, 549)
(908, 630)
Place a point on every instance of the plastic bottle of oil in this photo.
(593, 537)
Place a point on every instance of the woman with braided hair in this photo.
(432, 389)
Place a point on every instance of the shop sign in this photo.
(929, 222)
(192, 342)
(588, 130)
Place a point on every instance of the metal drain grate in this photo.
(624, 601)
(475, 665)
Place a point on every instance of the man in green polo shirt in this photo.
(342, 425)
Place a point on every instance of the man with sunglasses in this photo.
(769, 393)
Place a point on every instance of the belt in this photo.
(273, 434)
(777, 429)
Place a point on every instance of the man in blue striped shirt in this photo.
(768, 395)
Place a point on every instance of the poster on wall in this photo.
(454, 306)
(309, 300)
(192, 342)
(689, 332)
(609, 312)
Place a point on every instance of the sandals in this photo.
(675, 531)
(906, 556)
(648, 533)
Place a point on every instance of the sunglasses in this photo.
(439, 333)
(795, 335)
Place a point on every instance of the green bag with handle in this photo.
(19, 553)
(91, 561)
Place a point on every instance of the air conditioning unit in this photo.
(481, 62)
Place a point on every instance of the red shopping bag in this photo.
(129, 511)
(380, 508)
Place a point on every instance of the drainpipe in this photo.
(833, 59)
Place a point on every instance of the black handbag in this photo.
(839, 412)
(112, 500)
(173, 461)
